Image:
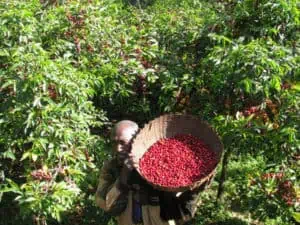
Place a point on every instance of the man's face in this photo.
(122, 137)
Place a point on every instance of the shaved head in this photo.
(124, 131)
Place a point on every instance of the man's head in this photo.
(122, 135)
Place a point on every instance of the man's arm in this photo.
(111, 195)
(180, 206)
(189, 201)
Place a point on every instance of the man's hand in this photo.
(131, 162)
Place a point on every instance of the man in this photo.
(124, 194)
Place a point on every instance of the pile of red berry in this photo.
(276, 176)
(41, 175)
(177, 161)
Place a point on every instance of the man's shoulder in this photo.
(110, 164)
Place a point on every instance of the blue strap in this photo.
(136, 212)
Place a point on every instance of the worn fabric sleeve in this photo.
(189, 202)
(111, 196)
(169, 206)
(181, 208)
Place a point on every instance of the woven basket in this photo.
(167, 126)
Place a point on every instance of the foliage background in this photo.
(70, 69)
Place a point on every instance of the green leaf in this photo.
(11, 186)
(30, 199)
(8, 83)
(57, 214)
(37, 102)
(43, 143)
(248, 84)
(296, 87)
(296, 216)
(34, 157)
(4, 52)
(9, 155)
(275, 83)
(25, 155)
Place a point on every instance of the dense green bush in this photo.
(70, 69)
